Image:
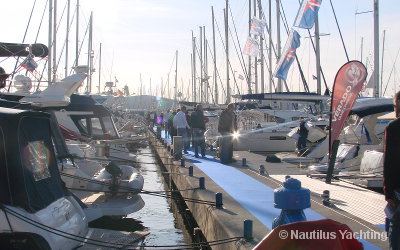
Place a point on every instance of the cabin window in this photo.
(36, 157)
(277, 138)
(96, 126)
(109, 126)
(82, 126)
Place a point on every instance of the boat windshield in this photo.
(109, 126)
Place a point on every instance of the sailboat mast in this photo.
(201, 64)
(278, 37)
(99, 68)
(383, 51)
(255, 58)
(376, 92)
(215, 59)
(50, 41)
(176, 76)
(249, 74)
(67, 38)
(317, 56)
(54, 41)
(228, 87)
(90, 55)
(77, 35)
(261, 48)
(270, 44)
(194, 67)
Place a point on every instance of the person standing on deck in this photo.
(302, 141)
(181, 125)
(166, 127)
(391, 174)
(199, 127)
(227, 125)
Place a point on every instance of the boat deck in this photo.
(249, 195)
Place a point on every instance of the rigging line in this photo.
(41, 21)
(230, 65)
(23, 40)
(170, 69)
(390, 75)
(340, 32)
(84, 239)
(219, 76)
(305, 85)
(273, 49)
(229, 61)
(80, 49)
(242, 62)
(59, 23)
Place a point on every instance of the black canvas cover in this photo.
(29, 174)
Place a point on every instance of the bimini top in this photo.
(87, 103)
(29, 176)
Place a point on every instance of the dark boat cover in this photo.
(19, 49)
(29, 176)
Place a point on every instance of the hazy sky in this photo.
(141, 37)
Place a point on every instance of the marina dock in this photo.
(248, 195)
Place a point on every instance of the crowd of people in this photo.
(193, 126)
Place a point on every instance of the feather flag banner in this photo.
(288, 55)
(307, 14)
(251, 47)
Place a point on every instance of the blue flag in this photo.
(29, 64)
(307, 14)
(288, 55)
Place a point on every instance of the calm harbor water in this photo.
(164, 223)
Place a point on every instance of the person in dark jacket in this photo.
(302, 141)
(391, 174)
(199, 127)
(227, 125)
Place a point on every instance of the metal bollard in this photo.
(248, 230)
(191, 171)
(292, 199)
(244, 162)
(326, 200)
(202, 184)
(218, 200)
(182, 163)
(261, 170)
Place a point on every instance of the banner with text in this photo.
(348, 83)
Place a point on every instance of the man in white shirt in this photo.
(181, 125)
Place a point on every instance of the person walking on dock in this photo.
(227, 125)
(181, 125)
(199, 127)
(391, 175)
